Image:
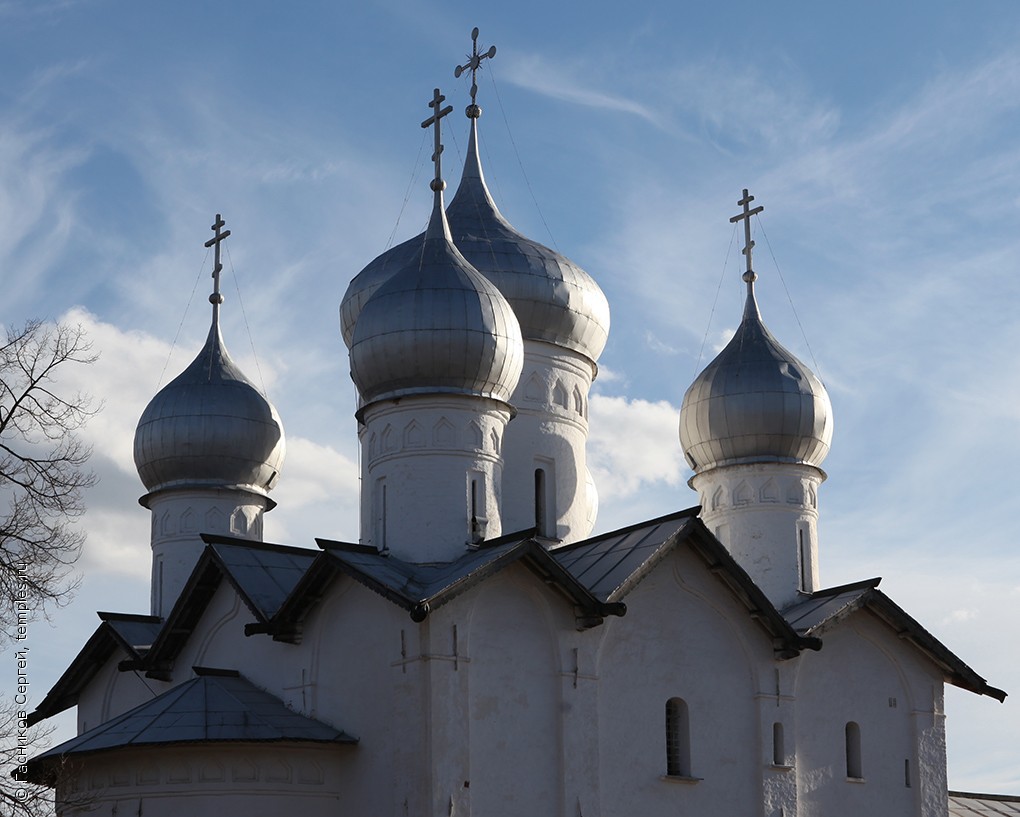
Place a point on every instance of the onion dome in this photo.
(436, 326)
(755, 403)
(555, 301)
(210, 427)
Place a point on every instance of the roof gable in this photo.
(262, 574)
(131, 634)
(826, 609)
(594, 575)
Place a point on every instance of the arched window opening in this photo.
(541, 511)
(479, 522)
(778, 745)
(678, 738)
(379, 512)
(854, 769)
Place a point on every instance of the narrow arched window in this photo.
(540, 504)
(854, 768)
(778, 745)
(678, 738)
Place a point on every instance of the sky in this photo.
(881, 139)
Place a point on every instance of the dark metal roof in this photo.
(594, 575)
(609, 564)
(421, 588)
(968, 804)
(216, 705)
(827, 608)
(133, 634)
(264, 574)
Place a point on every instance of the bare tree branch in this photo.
(42, 468)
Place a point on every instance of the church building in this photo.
(478, 651)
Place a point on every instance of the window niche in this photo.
(854, 768)
(678, 740)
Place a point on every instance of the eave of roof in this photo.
(422, 588)
(216, 706)
(262, 574)
(112, 634)
(828, 608)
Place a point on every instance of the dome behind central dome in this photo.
(555, 301)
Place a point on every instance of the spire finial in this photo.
(473, 64)
(749, 274)
(216, 298)
(437, 184)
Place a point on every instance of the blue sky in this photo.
(880, 137)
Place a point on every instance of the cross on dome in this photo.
(216, 298)
(437, 184)
(473, 64)
(749, 275)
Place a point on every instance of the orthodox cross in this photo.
(437, 183)
(473, 64)
(216, 298)
(749, 275)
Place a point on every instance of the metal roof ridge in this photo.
(658, 520)
(842, 588)
(253, 544)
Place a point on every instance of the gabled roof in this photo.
(594, 575)
(967, 804)
(421, 588)
(263, 575)
(612, 565)
(215, 706)
(825, 609)
(131, 634)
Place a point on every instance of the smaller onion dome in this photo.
(210, 427)
(755, 403)
(554, 299)
(436, 326)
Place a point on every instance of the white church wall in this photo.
(864, 675)
(208, 780)
(350, 666)
(514, 706)
(111, 693)
(683, 638)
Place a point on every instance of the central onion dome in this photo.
(436, 326)
(755, 403)
(555, 301)
(210, 427)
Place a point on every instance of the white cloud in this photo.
(633, 445)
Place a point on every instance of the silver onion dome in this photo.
(210, 427)
(436, 326)
(554, 300)
(755, 403)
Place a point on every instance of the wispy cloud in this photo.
(563, 81)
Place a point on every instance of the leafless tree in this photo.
(42, 468)
(43, 475)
